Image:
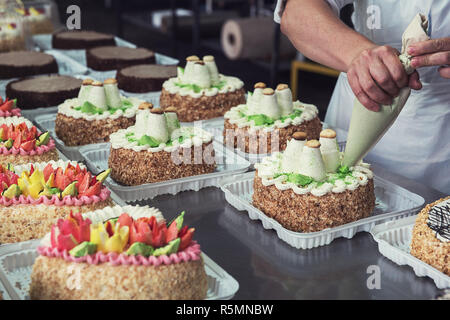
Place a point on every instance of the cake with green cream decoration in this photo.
(306, 189)
(268, 119)
(200, 92)
(157, 148)
(98, 111)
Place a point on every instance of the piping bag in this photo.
(368, 127)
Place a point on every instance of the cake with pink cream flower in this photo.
(8, 108)
(21, 142)
(35, 196)
(128, 252)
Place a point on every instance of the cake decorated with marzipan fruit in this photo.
(9, 108)
(21, 142)
(34, 196)
(37, 20)
(200, 92)
(306, 189)
(430, 240)
(266, 122)
(156, 149)
(12, 37)
(98, 111)
(120, 253)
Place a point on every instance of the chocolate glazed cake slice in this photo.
(114, 58)
(43, 91)
(26, 63)
(144, 77)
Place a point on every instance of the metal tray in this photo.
(392, 202)
(16, 264)
(228, 164)
(394, 239)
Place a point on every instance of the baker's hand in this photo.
(376, 76)
(435, 52)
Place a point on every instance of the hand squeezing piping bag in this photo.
(368, 127)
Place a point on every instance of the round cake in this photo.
(43, 91)
(11, 36)
(37, 20)
(306, 189)
(21, 142)
(266, 122)
(98, 111)
(156, 149)
(8, 108)
(119, 253)
(145, 77)
(35, 196)
(26, 63)
(199, 92)
(114, 58)
(430, 240)
(70, 40)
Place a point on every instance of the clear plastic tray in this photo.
(394, 239)
(16, 264)
(67, 65)
(392, 202)
(228, 163)
(216, 125)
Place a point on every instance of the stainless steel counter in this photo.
(268, 268)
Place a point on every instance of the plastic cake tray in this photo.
(228, 164)
(394, 239)
(392, 202)
(16, 264)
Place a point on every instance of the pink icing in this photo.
(54, 200)
(13, 113)
(191, 253)
(36, 151)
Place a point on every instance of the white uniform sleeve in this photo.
(336, 6)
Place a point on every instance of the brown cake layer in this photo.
(81, 40)
(134, 168)
(12, 44)
(308, 213)
(24, 159)
(424, 244)
(180, 281)
(242, 138)
(192, 109)
(144, 78)
(22, 222)
(43, 91)
(115, 58)
(77, 132)
(19, 64)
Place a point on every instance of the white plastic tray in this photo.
(392, 202)
(228, 164)
(394, 239)
(16, 264)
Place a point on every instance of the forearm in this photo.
(320, 35)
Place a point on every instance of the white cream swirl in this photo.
(234, 116)
(193, 136)
(271, 165)
(67, 109)
(231, 84)
(15, 121)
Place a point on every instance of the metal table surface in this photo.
(268, 268)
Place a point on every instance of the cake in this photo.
(73, 40)
(144, 77)
(114, 58)
(37, 20)
(121, 253)
(21, 142)
(430, 241)
(98, 111)
(11, 37)
(26, 63)
(43, 91)
(306, 189)
(156, 149)
(199, 92)
(266, 122)
(8, 108)
(34, 196)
